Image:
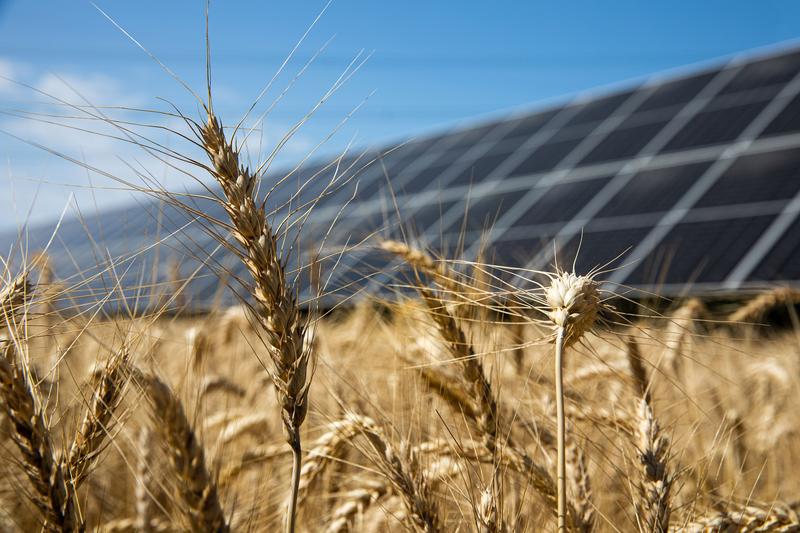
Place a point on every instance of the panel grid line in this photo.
(708, 179)
(619, 181)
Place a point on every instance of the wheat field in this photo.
(463, 404)
(169, 423)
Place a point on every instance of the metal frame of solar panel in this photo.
(680, 184)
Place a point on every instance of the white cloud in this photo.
(94, 89)
(48, 179)
(10, 72)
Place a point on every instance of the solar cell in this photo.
(603, 250)
(700, 252)
(653, 191)
(771, 72)
(783, 260)
(756, 177)
(561, 201)
(481, 212)
(715, 126)
(428, 215)
(479, 169)
(788, 121)
(598, 109)
(517, 252)
(623, 143)
(545, 157)
(427, 177)
(392, 165)
(524, 127)
(676, 92)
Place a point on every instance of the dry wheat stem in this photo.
(277, 308)
(145, 514)
(638, 371)
(489, 519)
(561, 468)
(196, 488)
(574, 304)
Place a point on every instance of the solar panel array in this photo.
(684, 184)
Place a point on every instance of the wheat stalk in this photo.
(211, 384)
(489, 518)
(276, 301)
(574, 304)
(145, 515)
(638, 371)
(401, 469)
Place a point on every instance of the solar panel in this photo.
(683, 183)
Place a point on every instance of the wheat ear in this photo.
(484, 408)
(276, 301)
(402, 470)
(489, 518)
(756, 309)
(484, 405)
(13, 297)
(354, 504)
(55, 497)
(106, 394)
(771, 519)
(328, 446)
(196, 488)
(652, 448)
(581, 488)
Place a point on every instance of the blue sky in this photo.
(433, 64)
